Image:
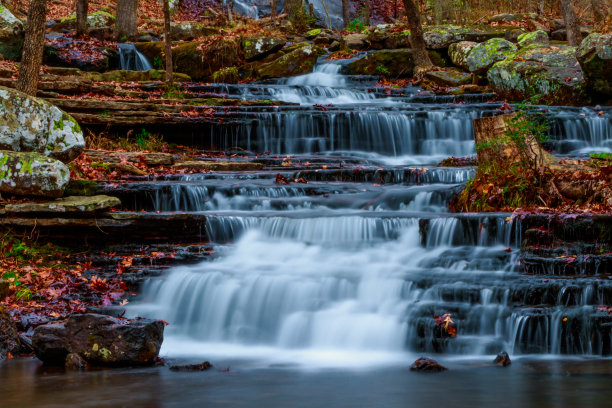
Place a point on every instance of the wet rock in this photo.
(75, 362)
(540, 70)
(427, 365)
(256, 48)
(458, 52)
(32, 174)
(390, 63)
(152, 49)
(30, 124)
(484, 55)
(298, 60)
(70, 52)
(356, 41)
(192, 367)
(100, 340)
(534, 37)
(71, 204)
(595, 57)
(200, 60)
(219, 166)
(9, 338)
(502, 359)
(11, 34)
(449, 77)
(187, 31)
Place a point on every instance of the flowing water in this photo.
(322, 293)
(131, 59)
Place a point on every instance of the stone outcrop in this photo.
(65, 205)
(449, 77)
(297, 60)
(535, 37)
(550, 73)
(200, 62)
(390, 63)
(100, 340)
(595, 57)
(427, 365)
(32, 174)
(256, 48)
(33, 125)
(484, 55)
(458, 52)
(11, 34)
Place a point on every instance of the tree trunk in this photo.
(417, 42)
(574, 37)
(230, 10)
(600, 12)
(293, 8)
(31, 57)
(126, 19)
(346, 17)
(273, 10)
(81, 17)
(366, 13)
(168, 40)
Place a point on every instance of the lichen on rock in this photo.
(32, 174)
(484, 55)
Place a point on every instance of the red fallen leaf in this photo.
(280, 179)
(165, 323)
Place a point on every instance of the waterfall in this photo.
(130, 59)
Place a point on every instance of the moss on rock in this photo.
(298, 61)
(484, 55)
(392, 63)
(534, 37)
(32, 174)
(595, 57)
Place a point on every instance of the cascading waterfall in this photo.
(131, 59)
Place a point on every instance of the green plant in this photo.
(382, 70)
(356, 26)
(158, 62)
(174, 91)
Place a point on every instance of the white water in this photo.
(131, 59)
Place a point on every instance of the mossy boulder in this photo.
(200, 60)
(595, 57)
(257, 47)
(32, 174)
(458, 52)
(11, 35)
(400, 39)
(449, 77)
(535, 37)
(391, 63)
(189, 31)
(99, 19)
(227, 75)
(484, 55)
(154, 51)
(299, 60)
(356, 41)
(439, 37)
(32, 125)
(549, 73)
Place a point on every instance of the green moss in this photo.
(314, 33)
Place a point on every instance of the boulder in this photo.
(449, 77)
(188, 31)
(299, 60)
(192, 367)
(32, 174)
(32, 125)
(11, 35)
(97, 20)
(392, 63)
(561, 35)
(397, 40)
(256, 48)
(75, 362)
(534, 37)
(427, 365)
(154, 51)
(595, 57)
(458, 52)
(439, 37)
(502, 359)
(100, 340)
(200, 60)
(356, 41)
(70, 204)
(484, 55)
(551, 73)
(69, 52)
(9, 337)
(514, 34)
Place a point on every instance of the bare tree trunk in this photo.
(417, 42)
(168, 40)
(346, 18)
(574, 37)
(273, 10)
(601, 11)
(293, 8)
(126, 19)
(81, 16)
(31, 57)
(230, 10)
(366, 13)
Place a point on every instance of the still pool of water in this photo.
(539, 383)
